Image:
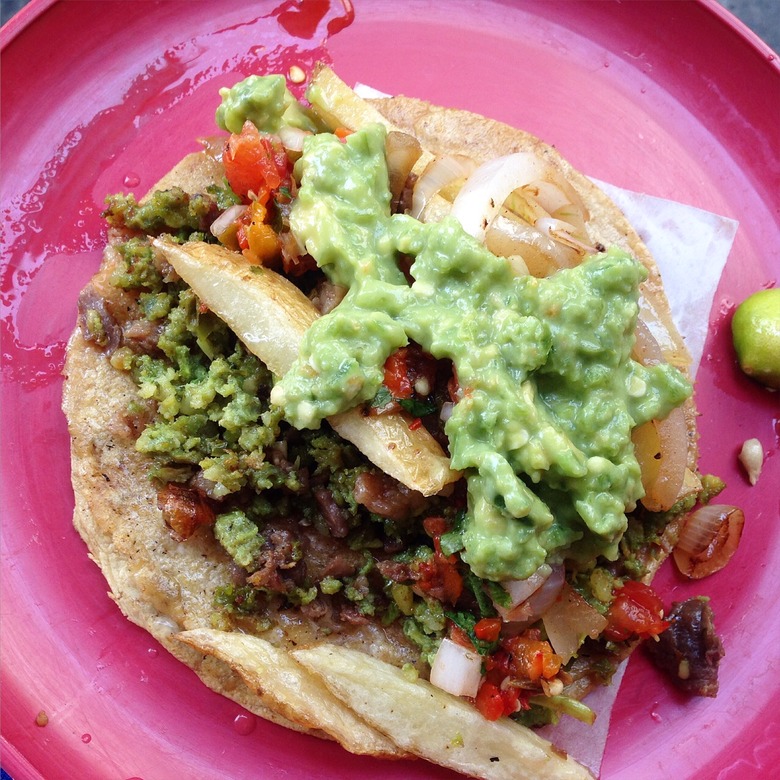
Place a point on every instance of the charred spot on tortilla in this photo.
(255, 476)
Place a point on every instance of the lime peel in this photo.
(755, 330)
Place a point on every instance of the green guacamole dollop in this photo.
(263, 100)
(550, 390)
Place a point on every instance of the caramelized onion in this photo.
(529, 187)
(646, 350)
(662, 329)
(482, 196)
(661, 448)
(549, 196)
(439, 173)
(563, 232)
(402, 151)
(708, 539)
(569, 620)
(508, 236)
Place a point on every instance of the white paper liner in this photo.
(691, 247)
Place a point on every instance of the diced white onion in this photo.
(226, 219)
(446, 411)
(539, 601)
(520, 590)
(292, 138)
(456, 669)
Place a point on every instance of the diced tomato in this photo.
(342, 132)
(257, 240)
(488, 629)
(498, 665)
(255, 163)
(532, 659)
(636, 612)
(493, 701)
(440, 577)
(489, 701)
(397, 379)
(435, 527)
(511, 696)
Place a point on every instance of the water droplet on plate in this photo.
(131, 180)
(86, 738)
(655, 715)
(153, 652)
(244, 724)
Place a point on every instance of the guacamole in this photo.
(550, 393)
(263, 100)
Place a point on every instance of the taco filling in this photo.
(517, 577)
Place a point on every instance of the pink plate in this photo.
(674, 99)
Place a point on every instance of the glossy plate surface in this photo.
(672, 99)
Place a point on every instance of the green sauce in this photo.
(550, 391)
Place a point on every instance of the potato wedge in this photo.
(433, 724)
(270, 315)
(338, 105)
(289, 689)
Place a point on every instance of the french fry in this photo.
(270, 315)
(338, 105)
(289, 689)
(435, 725)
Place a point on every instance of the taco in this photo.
(380, 423)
